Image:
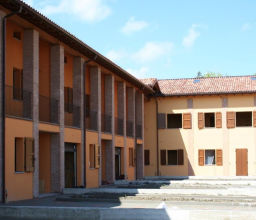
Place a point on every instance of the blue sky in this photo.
(164, 38)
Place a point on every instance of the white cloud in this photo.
(246, 27)
(152, 51)
(87, 10)
(139, 73)
(193, 34)
(115, 55)
(133, 25)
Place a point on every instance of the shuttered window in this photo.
(174, 121)
(254, 118)
(68, 99)
(161, 121)
(231, 120)
(218, 120)
(219, 161)
(180, 157)
(146, 157)
(163, 157)
(29, 154)
(17, 84)
(131, 159)
(92, 156)
(187, 121)
(201, 157)
(200, 120)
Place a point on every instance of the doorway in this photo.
(70, 165)
(118, 162)
(241, 162)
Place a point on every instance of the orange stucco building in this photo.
(72, 117)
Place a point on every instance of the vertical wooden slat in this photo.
(134, 157)
(180, 157)
(201, 157)
(254, 118)
(187, 121)
(200, 120)
(219, 159)
(231, 123)
(29, 154)
(163, 157)
(97, 156)
(218, 120)
(130, 157)
(92, 155)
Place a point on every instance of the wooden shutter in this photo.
(29, 154)
(254, 118)
(219, 160)
(187, 121)
(161, 121)
(180, 157)
(17, 84)
(200, 120)
(163, 157)
(231, 119)
(134, 157)
(97, 156)
(146, 157)
(201, 157)
(130, 156)
(218, 116)
(92, 155)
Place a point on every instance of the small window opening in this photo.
(209, 157)
(209, 119)
(174, 120)
(243, 119)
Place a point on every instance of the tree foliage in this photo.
(208, 74)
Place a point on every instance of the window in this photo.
(19, 155)
(131, 157)
(174, 157)
(68, 96)
(209, 157)
(209, 120)
(146, 157)
(174, 121)
(243, 119)
(17, 35)
(24, 155)
(17, 84)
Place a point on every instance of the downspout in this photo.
(4, 194)
(84, 115)
(157, 140)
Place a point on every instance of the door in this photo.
(241, 162)
(117, 163)
(70, 165)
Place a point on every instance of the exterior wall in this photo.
(191, 140)
(19, 186)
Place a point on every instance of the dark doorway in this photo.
(241, 162)
(118, 163)
(70, 165)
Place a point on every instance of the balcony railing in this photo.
(138, 130)
(48, 110)
(106, 123)
(73, 116)
(18, 102)
(92, 120)
(119, 126)
(129, 129)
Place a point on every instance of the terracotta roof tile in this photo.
(149, 82)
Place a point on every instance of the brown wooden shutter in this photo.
(219, 160)
(92, 155)
(134, 157)
(97, 156)
(218, 120)
(200, 120)
(146, 157)
(180, 157)
(161, 121)
(130, 156)
(29, 154)
(201, 157)
(187, 121)
(231, 119)
(163, 157)
(254, 118)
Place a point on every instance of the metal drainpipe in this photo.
(157, 140)
(84, 115)
(4, 194)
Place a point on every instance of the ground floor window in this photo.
(131, 157)
(172, 157)
(210, 157)
(146, 157)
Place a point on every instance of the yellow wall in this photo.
(191, 140)
(18, 185)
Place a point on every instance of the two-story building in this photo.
(201, 127)
(70, 117)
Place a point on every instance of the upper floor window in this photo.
(17, 84)
(209, 120)
(68, 99)
(243, 119)
(174, 121)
